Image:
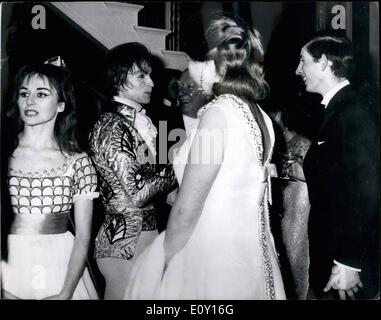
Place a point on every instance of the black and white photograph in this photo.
(190, 150)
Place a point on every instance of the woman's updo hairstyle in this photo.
(238, 55)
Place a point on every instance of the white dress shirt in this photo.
(190, 124)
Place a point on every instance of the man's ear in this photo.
(61, 106)
(324, 62)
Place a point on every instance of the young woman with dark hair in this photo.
(65, 126)
(48, 176)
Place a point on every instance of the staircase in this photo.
(113, 23)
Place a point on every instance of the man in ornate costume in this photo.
(123, 149)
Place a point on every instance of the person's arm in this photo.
(197, 181)
(295, 169)
(84, 189)
(83, 213)
(140, 181)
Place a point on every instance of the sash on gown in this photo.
(40, 224)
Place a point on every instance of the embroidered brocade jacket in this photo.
(128, 181)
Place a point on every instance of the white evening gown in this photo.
(230, 254)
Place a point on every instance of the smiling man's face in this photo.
(310, 71)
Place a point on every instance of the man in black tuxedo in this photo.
(341, 169)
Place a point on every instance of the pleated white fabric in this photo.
(37, 264)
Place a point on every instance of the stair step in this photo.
(174, 59)
(152, 37)
(127, 12)
(113, 23)
(88, 16)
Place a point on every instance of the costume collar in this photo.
(138, 107)
(128, 108)
(123, 107)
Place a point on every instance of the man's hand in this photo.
(345, 280)
(295, 170)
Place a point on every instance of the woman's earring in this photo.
(61, 107)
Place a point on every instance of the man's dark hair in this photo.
(120, 60)
(339, 50)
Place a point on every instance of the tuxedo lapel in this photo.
(332, 109)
